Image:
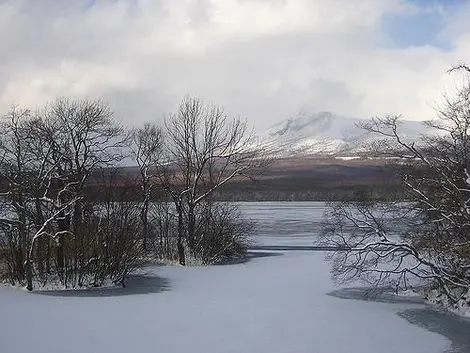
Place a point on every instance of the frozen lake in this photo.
(285, 223)
(280, 301)
(295, 225)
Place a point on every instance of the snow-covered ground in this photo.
(276, 302)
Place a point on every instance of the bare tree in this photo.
(427, 237)
(15, 159)
(46, 159)
(84, 137)
(205, 150)
(147, 147)
(29, 195)
(164, 224)
(221, 233)
(113, 231)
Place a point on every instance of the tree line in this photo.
(53, 231)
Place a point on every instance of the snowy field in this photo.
(278, 301)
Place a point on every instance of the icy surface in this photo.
(285, 223)
(276, 302)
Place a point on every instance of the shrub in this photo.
(221, 235)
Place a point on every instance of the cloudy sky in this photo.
(262, 59)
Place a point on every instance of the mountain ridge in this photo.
(325, 133)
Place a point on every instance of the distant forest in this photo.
(312, 178)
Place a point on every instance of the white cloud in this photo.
(261, 59)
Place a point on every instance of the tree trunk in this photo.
(144, 219)
(48, 257)
(181, 255)
(163, 228)
(41, 242)
(23, 244)
(40, 256)
(63, 222)
(29, 273)
(191, 227)
(60, 256)
(19, 263)
(76, 226)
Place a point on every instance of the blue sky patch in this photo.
(422, 27)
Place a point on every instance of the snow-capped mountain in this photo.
(324, 133)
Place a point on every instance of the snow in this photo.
(308, 133)
(55, 285)
(347, 158)
(461, 308)
(276, 302)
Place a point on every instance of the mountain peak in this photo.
(323, 132)
(303, 124)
